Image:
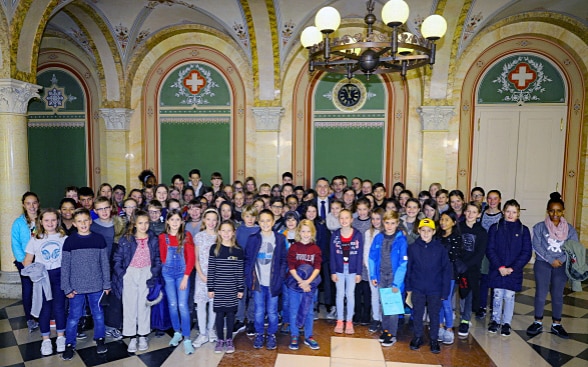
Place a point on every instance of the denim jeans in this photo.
(375, 295)
(506, 297)
(446, 312)
(26, 285)
(286, 305)
(295, 300)
(76, 310)
(465, 305)
(55, 307)
(265, 303)
(246, 306)
(345, 289)
(177, 300)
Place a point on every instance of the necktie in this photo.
(323, 210)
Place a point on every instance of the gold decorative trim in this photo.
(271, 10)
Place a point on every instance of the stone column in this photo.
(14, 172)
(267, 147)
(118, 156)
(435, 120)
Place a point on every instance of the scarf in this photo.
(560, 232)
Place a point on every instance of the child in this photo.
(332, 219)
(45, 249)
(248, 228)
(370, 234)
(442, 199)
(156, 223)
(451, 239)
(427, 281)
(85, 273)
(303, 252)
(509, 250)
(194, 220)
(346, 263)
(225, 283)
(362, 312)
(203, 241)
(226, 211)
(67, 206)
(129, 208)
(137, 263)
(265, 268)
(387, 261)
(176, 249)
(410, 219)
(291, 219)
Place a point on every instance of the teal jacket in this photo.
(21, 235)
(398, 258)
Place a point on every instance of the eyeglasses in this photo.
(277, 206)
(130, 207)
(106, 208)
(154, 211)
(477, 196)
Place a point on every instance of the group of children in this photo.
(366, 253)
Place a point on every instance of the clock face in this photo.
(349, 95)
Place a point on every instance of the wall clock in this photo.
(349, 95)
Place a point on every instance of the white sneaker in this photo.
(60, 344)
(46, 347)
(212, 336)
(441, 334)
(132, 345)
(143, 343)
(200, 341)
(448, 337)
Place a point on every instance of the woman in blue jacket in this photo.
(509, 250)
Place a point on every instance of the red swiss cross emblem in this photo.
(194, 82)
(522, 75)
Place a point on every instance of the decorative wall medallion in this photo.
(571, 173)
(150, 111)
(349, 95)
(55, 97)
(241, 172)
(194, 53)
(480, 63)
(87, 75)
(299, 173)
(462, 172)
(287, 31)
(567, 62)
(522, 80)
(397, 176)
(577, 106)
(195, 83)
(466, 107)
(97, 170)
(399, 115)
(523, 43)
(53, 56)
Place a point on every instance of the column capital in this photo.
(267, 118)
(436, 118)
(16, 94)
(117, 119)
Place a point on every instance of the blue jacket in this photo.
(279, 263)
(398, 258)
(20, 234)
(123, 256)
(429, 269)
(509, 245)
(355, 253)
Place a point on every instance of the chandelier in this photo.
(372, 53)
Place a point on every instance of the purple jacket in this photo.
(355, 253)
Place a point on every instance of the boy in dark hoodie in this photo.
(428, 278)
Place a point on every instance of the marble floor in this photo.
(480, 349)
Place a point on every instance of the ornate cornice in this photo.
(268, 118)
(436, 118)
(117, 119)
(15, 95)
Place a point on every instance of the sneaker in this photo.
(176, 339)
(441, 334)
(60, 342)
(101, 346)
(339, 327)
(271, 343)
(464, 329)
(293, 343)
(132, 348)
(332, 315)
(505, 330)
(239, 326)
(115, 334)
(535, 328)
(349, 328)
(389, 340)
(448, 337)
(435, 349)
(258, 342)
(558, 330)
(32, 325)
(143, 343)
(311, 343)
(212, 337)
(46, 347)
(416, 343)
(316, 315)
(81, 335)
(285, 328)
(220, 346)
(374, 326)
(493, 327)
(188, 348)
(229, 347)
(68, 353)
(383, 336)
(250, 329)
(200, 341)
(481, 313)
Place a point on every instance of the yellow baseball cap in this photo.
(427, 223)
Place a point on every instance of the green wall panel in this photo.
(214, 91)
(66, 87)
(348, 151)
(374, 87)
(203, 146)
(57, 158)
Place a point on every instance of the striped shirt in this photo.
(225, 276)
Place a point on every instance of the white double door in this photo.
(520, 151)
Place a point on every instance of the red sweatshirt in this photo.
(300, 253)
